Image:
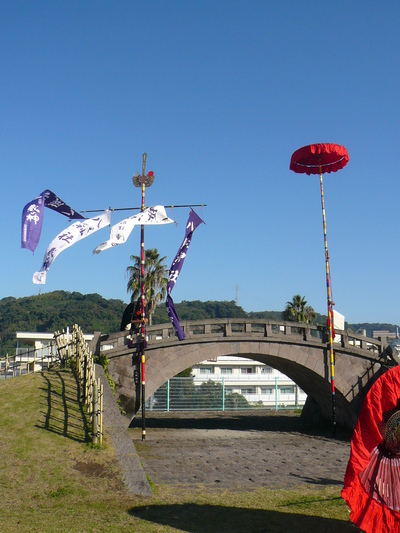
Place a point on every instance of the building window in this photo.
(266, 370)
(247, 370)
(226, 370)
(206, 370)
(267, 390)
(248, 390)
(286, 390)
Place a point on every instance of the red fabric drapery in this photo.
(370, 514)
(317, 158)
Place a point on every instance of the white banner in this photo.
(68, 237)
(120, 232)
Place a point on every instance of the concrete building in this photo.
(258, 383)
(35, 350)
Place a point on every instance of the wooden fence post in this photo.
(101, 412)
(95, 409)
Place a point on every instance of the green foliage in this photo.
(182, 391)
(271, 315)
(237, 401)
(187, 373)
(197, 310)
(103, 360)
(371, 327)
(56, 311)
(208, 395)
(155, 279)
(298, 311)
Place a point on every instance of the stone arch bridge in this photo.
(298, 350)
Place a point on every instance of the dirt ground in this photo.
(239, 450)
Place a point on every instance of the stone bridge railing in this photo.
(213, 329)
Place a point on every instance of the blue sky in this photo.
(219, 94)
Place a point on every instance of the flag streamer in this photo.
(193, 221)
(68, 237)
(120, 232)
(32, 217)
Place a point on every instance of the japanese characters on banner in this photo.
(68, 237)
(193, 221)
(120, 232)
(32, 217)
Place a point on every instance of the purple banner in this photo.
(54, 202)
(32, 217)
(193, 221)
(32, 220)
(174, 317)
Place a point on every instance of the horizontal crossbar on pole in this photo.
(139, 208)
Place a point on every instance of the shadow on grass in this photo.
(323, 481)
(195, 518)
(65, 413)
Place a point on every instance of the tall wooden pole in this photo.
(330, 309)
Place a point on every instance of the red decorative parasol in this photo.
(318, 159)
(372, 480)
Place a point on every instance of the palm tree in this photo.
(309, 314)
(298, 311)
(156, 278)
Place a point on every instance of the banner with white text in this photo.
(32, 217)
(120, 232)
(76, 232)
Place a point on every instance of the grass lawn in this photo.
(52, 480)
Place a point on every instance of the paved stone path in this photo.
(239, 451)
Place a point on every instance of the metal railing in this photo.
(216, 394)
(28, 360)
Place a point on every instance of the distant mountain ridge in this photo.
(56, 310)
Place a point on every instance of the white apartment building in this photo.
(35, 350)
(260, 384)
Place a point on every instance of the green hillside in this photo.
(56, 310)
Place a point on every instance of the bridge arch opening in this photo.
(251, 383)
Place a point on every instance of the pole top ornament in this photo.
(143, 179)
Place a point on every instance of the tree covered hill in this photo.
(56, 310)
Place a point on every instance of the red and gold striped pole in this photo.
(143, 181)
(143, 316)
(330, 308)
(316, 159)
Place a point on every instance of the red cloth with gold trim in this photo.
(372, 480)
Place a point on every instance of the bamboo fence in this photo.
(72, 347)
